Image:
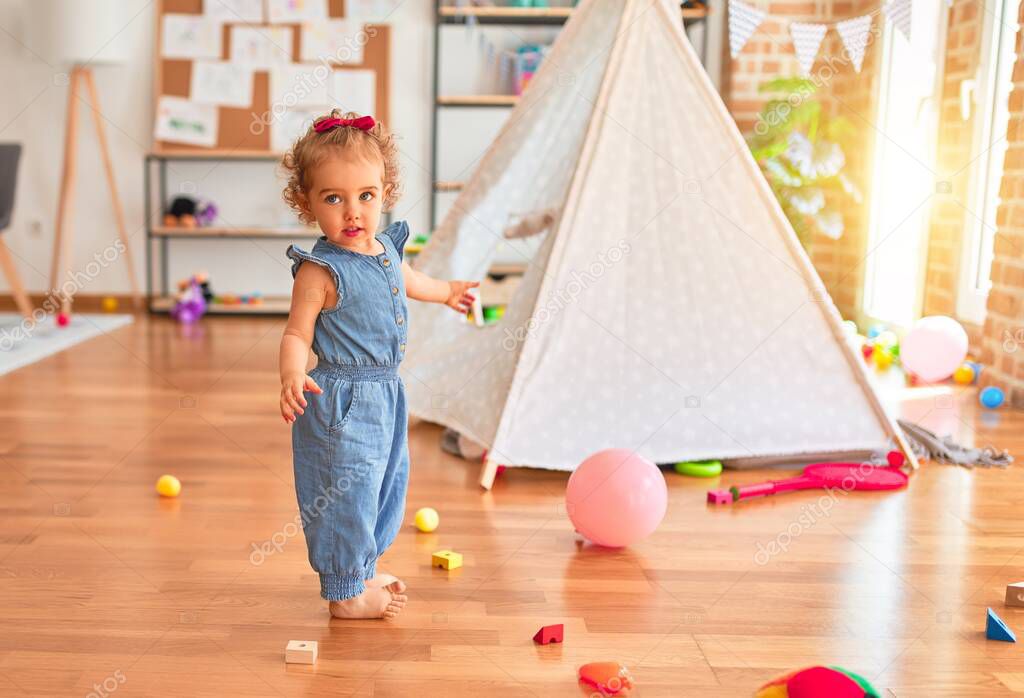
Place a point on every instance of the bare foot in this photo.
(383, 579)
(375, 602)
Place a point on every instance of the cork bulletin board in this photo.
(236, 134)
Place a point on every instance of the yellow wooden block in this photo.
(300, 652)
(447, 559)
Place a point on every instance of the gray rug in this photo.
(21, 345)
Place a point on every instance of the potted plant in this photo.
(799, 147)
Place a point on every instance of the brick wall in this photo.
(769, 54)
(948, 222)
(1003, 342)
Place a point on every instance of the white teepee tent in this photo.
(669, 307)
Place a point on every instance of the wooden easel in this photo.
(62, 243)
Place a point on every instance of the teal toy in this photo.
(706, 468)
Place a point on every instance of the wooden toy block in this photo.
(996, 629)
(1015, 594)
(549, 634)
(719, 496)
(300, 652)
(446, 559)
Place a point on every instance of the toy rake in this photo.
(844, 476)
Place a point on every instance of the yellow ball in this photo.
(964, 375)
(109, 304)
(427, 519)
(168, 486)
(882, 358)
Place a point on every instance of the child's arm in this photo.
(454, 294)
(309, 294)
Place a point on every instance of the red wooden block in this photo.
(549, 633)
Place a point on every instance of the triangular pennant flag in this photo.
(743, 21)
(996, 628)
(807, 40)
(899, 13)
(854, 33)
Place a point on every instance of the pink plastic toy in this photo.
(616, 497)
(845, 476)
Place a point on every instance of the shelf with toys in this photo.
(187, 218)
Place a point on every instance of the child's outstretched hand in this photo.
(459, 297)
(292, 400)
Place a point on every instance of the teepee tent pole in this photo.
(822, 298)
(579, 176)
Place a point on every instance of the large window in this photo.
(986, 98)
(903, 175)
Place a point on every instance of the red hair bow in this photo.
(363, 123)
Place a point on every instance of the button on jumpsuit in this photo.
(350, 447)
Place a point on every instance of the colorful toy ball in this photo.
(882, 358)
(168, 486)
(109, 304)
(964, 374)
(991, 397)
(63, 320)
(867, 349)
(818, 682)
(887, 339)
(616, 497)
(427, 519)
(934, 347)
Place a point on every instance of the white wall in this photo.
(33, 103)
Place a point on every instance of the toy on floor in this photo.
(1015, 594)
(818, 682)
(997, 629)
(63, 320)
(300, 652)
(109, 304)
(168, 486)
(446, 559)
(190, 304)
(203, 279)
(609, 678)
(964, 374)
(616, 497)
(549, 634)
(706, 468)
(427, 519)
(934, 347)
(186, 212)
(845, 476)
(991, 397)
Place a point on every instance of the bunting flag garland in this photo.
(807, 40)
(899, 13)
(743, 21)
(854, 33)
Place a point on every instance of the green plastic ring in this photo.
(708, 468)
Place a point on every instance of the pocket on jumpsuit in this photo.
(342, 403)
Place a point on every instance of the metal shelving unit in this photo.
(501, 16)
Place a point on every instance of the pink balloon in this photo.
(934, 348)
(616, 497)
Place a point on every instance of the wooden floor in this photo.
(106, 589)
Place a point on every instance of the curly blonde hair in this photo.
(312, 148)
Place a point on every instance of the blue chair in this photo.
(10, 153)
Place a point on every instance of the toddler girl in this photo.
(351, 455)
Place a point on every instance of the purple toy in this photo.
(191, 305)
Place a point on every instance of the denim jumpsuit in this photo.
(350, 447)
